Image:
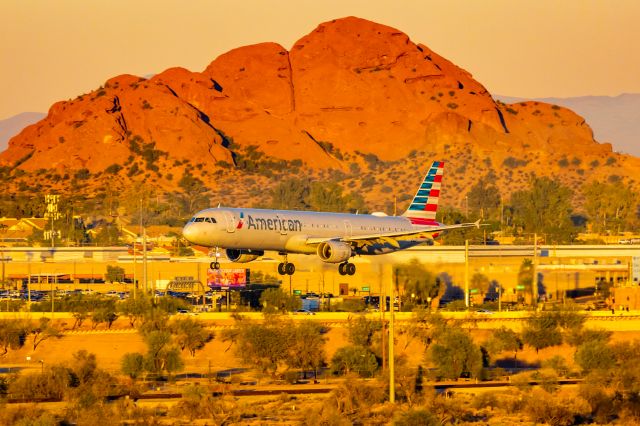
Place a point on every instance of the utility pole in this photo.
(466, 273)
(534, 282)
(392, 381)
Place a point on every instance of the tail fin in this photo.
(424, 205)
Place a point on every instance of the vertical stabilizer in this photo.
(423, 207)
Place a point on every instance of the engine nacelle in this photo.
(243, 256)
(334, 251)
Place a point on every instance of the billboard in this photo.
(231, 278)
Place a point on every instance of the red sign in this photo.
(231, 278)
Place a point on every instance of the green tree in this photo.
(265, 346)
(356, 359)
(484, 199)
(480, 282)
(419, 283)
(135, 308)
(44, 330)
(361, 331)
(610, 206)
(194, 193)
(108, 235)
(105, 314)
(190, 334)
(542, 330)
(506, 340)
(114, 273)
(161, 356)
(290, 194)
(545, 208)
(455, 354)
(13, 333)
(274, 300)
(306, 350)
(132, 364)
(594, 355)
(526, 279)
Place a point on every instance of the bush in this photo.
(354, 359)
(417, 417)
(594, 355)
(543, 407)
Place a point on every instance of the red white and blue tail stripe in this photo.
(423, 207)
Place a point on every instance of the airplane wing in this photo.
(393, 237)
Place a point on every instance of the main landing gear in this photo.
(346, 268)
(286, 268)
(214, 265)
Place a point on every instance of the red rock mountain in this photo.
(349, 89)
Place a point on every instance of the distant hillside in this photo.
(614, 119)
(11, 126)
(353, 102)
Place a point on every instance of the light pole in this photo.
(392, 382)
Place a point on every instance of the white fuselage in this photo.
(290, 231)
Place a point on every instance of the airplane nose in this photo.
(188, 232)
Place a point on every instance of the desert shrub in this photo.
(416, 417)
(485, 400)
(558, 364)
(113, 169)
(558, 410)
(355, 395)
(547, 379)
(594, 355)
(27, 416)
(601, 401)
(198, 403)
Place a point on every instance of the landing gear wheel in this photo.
(290, 268)
(282, 268)
(350, 268)
(214, 265)
(341, 268)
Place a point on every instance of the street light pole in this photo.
(466, 273)
(392, 382)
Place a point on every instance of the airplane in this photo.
(334, 237)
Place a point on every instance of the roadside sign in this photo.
(365, 288)
(520, 287)
(297, 292)
(473, 290)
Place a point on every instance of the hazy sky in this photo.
(53, 50)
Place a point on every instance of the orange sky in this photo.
(54, 50)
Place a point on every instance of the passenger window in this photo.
(199, 219)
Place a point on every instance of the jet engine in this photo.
(243, 256)
(334, 251)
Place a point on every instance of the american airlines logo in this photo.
(274, 224)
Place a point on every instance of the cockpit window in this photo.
(204, 219)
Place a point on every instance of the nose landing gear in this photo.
(346, 268)
(215, 264)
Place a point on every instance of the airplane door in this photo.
(231, 222)
(347, 228)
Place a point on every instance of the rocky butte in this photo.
(351, 101)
